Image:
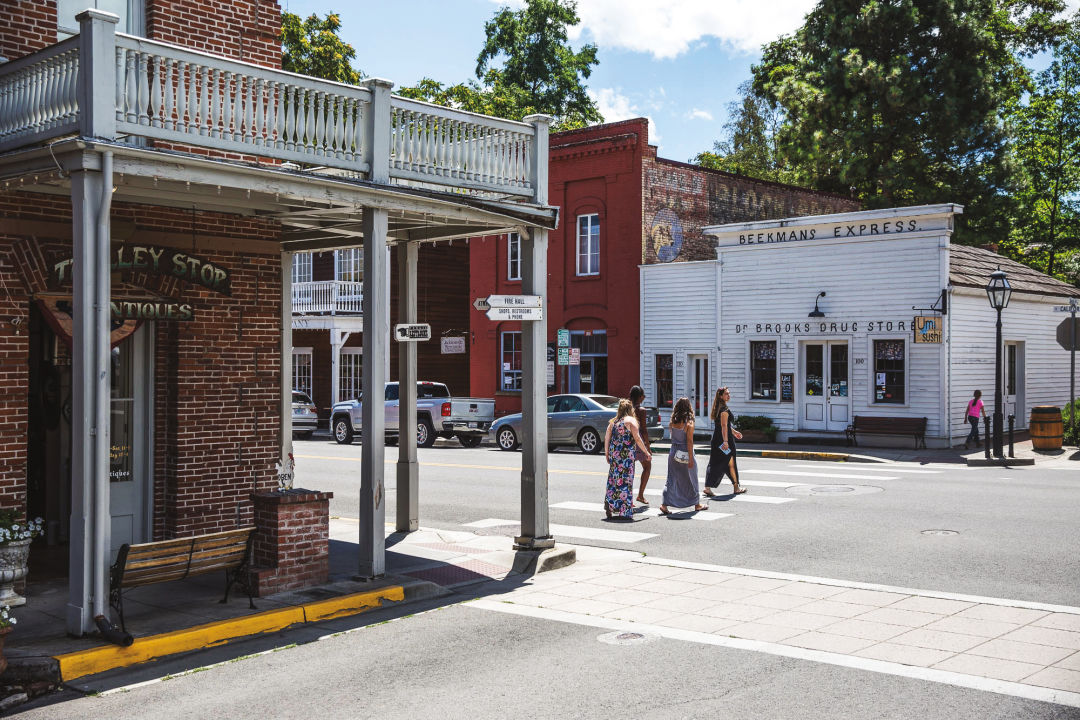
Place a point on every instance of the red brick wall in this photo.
(242, 29)
(26, 26)
(292, 540)
(216, 378)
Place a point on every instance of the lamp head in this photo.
(998, 290)
(816, 313)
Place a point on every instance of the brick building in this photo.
(621, 206)
(151, 201)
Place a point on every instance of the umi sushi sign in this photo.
(927, 329)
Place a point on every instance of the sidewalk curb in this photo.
(999, 462)
(107, 657)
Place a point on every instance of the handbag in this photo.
(682, 456)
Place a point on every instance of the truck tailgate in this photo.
(472, 409)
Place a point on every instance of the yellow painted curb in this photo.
(803, 455)
(107, 657)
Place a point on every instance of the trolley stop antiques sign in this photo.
(927, 329)
(159, 261)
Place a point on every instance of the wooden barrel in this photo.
(1046, 428)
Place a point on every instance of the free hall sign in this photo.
(155, 260)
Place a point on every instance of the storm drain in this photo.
(805, 490)
(940, 532)
(623, 638)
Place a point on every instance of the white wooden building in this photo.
(815, 321)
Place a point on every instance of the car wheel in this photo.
(470, 441)
(343, 430)
(425, 434)
(589, 441)
(506, 439)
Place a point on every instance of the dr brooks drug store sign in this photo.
(822, 318)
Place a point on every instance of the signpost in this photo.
(1068, 335)
(414, 332)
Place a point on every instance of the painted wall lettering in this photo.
(159, 261)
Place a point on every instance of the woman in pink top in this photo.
(974, 410)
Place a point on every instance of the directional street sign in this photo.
(515, 313)
(510, 301)
(564, 356)
(564, 338)
(412, 333)
(481, 304)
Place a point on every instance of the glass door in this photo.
(1014, 384)
(697, 388)
(129, 447)
(824, 391)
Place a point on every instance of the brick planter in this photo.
(292, 546)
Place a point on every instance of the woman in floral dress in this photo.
(619, 441)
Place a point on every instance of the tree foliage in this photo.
(313, 47)
(525, 66)
(749, 146)
(1046, 131)
(901, 102)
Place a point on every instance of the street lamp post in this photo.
(999, 291)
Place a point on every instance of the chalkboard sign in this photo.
(787, 387)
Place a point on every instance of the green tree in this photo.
(901, 102)
(526, 66)
(1046, 131)
(749, 146)
(313, 47)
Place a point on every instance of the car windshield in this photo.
(606, 401)
(301, 398)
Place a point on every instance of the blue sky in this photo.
(677, 62)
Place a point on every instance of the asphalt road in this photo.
(431, 665)
(1016, 533)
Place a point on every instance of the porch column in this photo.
(376, 349)
(408, 477)
(90, 522)
(535, 533)
(335, 371)
(286, 358)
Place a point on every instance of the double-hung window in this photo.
(588, 244)
(513, 256)
(510, 361)
(349, 265)
(301, 370)
(301, 267)
(131, 15)
(889, 372)
(763, 370)
(350, 373)
(665, 380)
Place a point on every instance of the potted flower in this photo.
(7, 620)
(15, 537)
(756, 428)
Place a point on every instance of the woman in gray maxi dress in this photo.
(681, 487)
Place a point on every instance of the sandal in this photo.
(738, 490)
(709, 493)
(664, 510)
(699, 508)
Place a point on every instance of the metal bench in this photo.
(165, 560)
(871, 425)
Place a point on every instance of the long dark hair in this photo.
(718, 404)
(683, 412)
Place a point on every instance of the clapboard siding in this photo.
(1028, 319)
(678, 315)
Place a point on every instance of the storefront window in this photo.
(889, 369)
(510, 359)
(301, 370)
(590, 374)
(815, 370)
(350, 374)
(763, 370)
(665, 377)
(513, 256)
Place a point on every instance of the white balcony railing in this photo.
(328, 297)
(109, 85)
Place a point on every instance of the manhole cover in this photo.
(805, 490)
(623, 638)
(940, 532)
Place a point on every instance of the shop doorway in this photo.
(590, 376)
(824, 398)
(130, 441)
(697, 388)
(1013, 383)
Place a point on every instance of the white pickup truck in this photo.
(437, 414)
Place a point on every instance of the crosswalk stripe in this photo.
(650, 512)
(766, 499)
(889, 469)
(841, 476)
(583, 533)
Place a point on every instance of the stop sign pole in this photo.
(1071, 308)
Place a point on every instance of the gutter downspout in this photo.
(102, 313)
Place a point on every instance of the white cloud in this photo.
(699, 114)
(668, 29)
(615, 106)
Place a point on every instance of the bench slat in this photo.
(166, 560)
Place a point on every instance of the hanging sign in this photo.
(414, 332)
(509, 301)
(927, 329)
(454, 345)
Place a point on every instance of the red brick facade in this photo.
(292, 541)
(649, 210)
(246, 30)
(26, 26)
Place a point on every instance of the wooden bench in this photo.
(165, 560)
(870, 425)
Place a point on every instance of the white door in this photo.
(697, 388)
(129, 469)
(825, 400)
(1013, 382)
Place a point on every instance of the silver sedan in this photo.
(580, 419)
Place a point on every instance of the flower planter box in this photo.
(757, 436)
